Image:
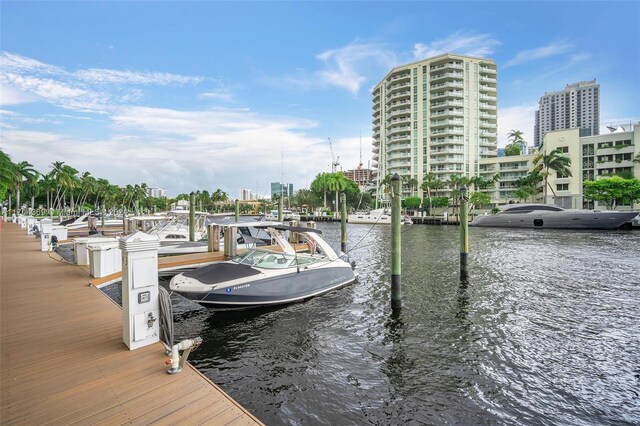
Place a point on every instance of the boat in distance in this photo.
(545, 216)
(377, 217)
(262, 277)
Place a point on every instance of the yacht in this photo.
(377, 216)
(287, 215)
(259, 277)
(545, 216)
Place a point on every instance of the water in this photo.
(545, 331)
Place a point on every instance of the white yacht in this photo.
(287, 215)
(377, 217)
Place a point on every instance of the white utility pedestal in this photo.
(80, 247)
(30, 222)
(140, 305)
(60, 233)
(104, 259)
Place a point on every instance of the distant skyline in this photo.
(232, 95)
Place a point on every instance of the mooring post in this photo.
(396, 248)
(237, 211)
(102, 213)
(213, 237)
(230, 243)
(280, 217)
(464, 231)
(343, 222)
(192, 216)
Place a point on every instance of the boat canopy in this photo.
(289, 228)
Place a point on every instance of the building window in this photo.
(562, 187)
(563, 149)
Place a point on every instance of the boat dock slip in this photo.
(63, 360)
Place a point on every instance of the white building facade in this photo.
(438, 115)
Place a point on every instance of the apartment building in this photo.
(577, 106)
(591, 157)
(437, 115)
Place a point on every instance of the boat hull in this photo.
(557, 220)
(270, 291)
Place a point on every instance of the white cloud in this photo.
(481, 45)
(224, 95)
(542, 52)
(106, 76)
(346, 67)
(519, 117)
(92, 90)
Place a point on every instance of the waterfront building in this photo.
(359, 175)
(436, 115)
(157, 192)
(281, 189)
(247, 195)
(592, 157)
(577, 106)
(511, 168)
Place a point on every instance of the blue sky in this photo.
(230, 95)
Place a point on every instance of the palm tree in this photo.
(515, 137)
(637, 159)
(23, 171)
(321, 184)
(48, 185)
(553, 161)
(431, 181)
(336, 182)
(7, 172)
(413, 183)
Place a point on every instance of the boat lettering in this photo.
(242, 286)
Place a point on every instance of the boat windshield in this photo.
(266, 259)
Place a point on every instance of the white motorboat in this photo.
(287, 215)
(247, 235)
(377, 217)
(545, 216)
(259, 277)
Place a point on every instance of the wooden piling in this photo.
(343, 222)
(192, 216)
(396, 251)
(464, 231)
(280, 217)
(237, 211)
(213, 237)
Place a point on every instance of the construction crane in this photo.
(335, 161)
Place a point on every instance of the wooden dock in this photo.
(62, 359)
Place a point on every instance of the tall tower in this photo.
(438, 115)
(577, 106)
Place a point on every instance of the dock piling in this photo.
(280, 209)
(192, 216)
(464, 231)
(213, 237)
(343, 222)
(396, 247)
(237, 211)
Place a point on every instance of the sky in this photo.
(202, 95)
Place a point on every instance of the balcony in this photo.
(399, 112)
(398, 129)
(398, 147)
(397, 95)
(440, 123)
(446, 151)
(447, 65)
(446, 103)
(396, 104)
(489, 116)
(447, 85)
(484, 69)
(487, 107)
(446, 141)
(447, 131)
(448, 94)
(488, 89)
(399, 121)
(399, 77)
(488, 98)
(447, 75)
(400, 154)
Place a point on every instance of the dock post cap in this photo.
(139, 241)
(395, 176)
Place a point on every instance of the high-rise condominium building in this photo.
(577, 106)
(438, 115)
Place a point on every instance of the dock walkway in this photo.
(62, 359)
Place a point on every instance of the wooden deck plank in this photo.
(63, 360)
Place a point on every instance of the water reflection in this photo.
(543, 331)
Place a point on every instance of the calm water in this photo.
(545, 331)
